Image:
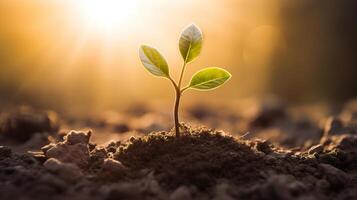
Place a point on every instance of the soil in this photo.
(271, 151)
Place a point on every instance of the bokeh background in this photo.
(65, 55)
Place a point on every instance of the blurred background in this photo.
(82, 55)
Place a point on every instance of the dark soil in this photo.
(200, 157)
(320, 163)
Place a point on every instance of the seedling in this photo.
(190, 44)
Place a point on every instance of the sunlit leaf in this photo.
(153, 61)
(209, 78)
(190, 43)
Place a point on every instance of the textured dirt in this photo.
(277, 155)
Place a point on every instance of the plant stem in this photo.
(181, 75)
(176, 112)
(177, 101)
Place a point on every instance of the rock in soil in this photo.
(74, 149)
(113, 167)
(316, 149)
(67, 171)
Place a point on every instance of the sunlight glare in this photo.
(108, 14)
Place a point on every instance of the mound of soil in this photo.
(201, 164)
(200, 157)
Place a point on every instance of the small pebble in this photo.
(316, 149)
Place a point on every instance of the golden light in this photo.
(107, 14)
(96, 42)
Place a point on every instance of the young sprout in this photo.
(190, 45)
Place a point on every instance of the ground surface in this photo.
(268, 151)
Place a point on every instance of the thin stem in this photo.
(181, 75)
(173, 83)
(178, 96)
(184, 67)
(177, 101)
(184, 89)
(176, 112)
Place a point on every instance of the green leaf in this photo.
(190, 43)
(153, 61)
(209, 78)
